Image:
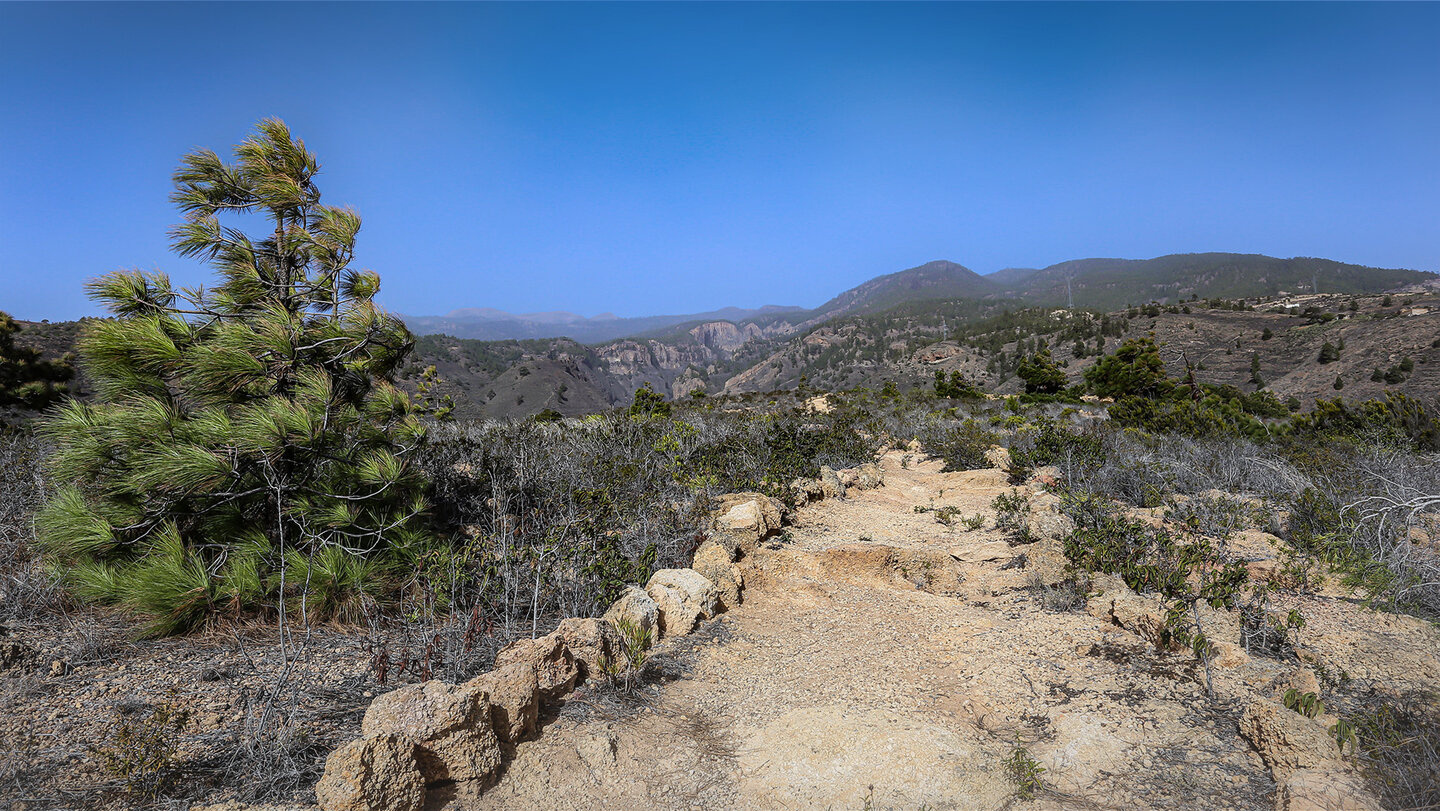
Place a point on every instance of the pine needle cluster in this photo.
(248, 445)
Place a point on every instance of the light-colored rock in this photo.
(1141, 615)
(514, 698)
(449, 725)
(684, 597)
(1329, 786)
(714, 562)
(998, 457)
(830, 483)
(807, 490)
(747, 518)
(378, 773)
(590, 641)
(869, 477)
(849, 477)
(1285, 739)
(1229, 654)
(1049, 524)
(1045, 562)
(982, 552)
(555, 669)
(637, 608)
(1302, 680)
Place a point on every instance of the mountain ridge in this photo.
(1095, 282)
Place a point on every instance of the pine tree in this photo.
(1255, 377)
(248, 440)
(1041, 374)
(1135, 370)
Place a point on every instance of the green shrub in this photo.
(27, 381)
(140, 749)
(1041, 374)
(1012, 516)
(1048, 442)
(1024, 772)
(962, 444)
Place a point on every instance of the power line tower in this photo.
(1069, 293)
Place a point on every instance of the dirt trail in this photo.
(868, 667)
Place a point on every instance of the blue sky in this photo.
(652, 158)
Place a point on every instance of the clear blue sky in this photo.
(644, 158)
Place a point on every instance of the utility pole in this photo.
(1069, 293)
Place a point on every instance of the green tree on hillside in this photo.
(1135, 370)
(1255, 377)
(649, 403)
(248, 438)
(27, 381)
(1041, 374)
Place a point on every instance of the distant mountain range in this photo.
(941, 316)
(488, 324)
(1104, 284)
(904, 326)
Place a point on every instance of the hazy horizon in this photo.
(664, 159)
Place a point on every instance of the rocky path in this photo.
(882, 659)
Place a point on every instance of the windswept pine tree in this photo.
(247, 444)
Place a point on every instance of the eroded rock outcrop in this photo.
(372, 774)
(684, 597)
(448, 725)
(555, 669)
(1141, 615)
(745, 519)
(1285, 739)
(514, 697)
(715, 563)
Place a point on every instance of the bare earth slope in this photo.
(871, 667)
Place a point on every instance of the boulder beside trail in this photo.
(684, 597)
(555, 668)
(869, 477)
(714, 562)
(592, 642)
(830, 483)
(807, 490)
(372, 774)
(638, 609)
(514, 697)
(745, 519)
(449, 726)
